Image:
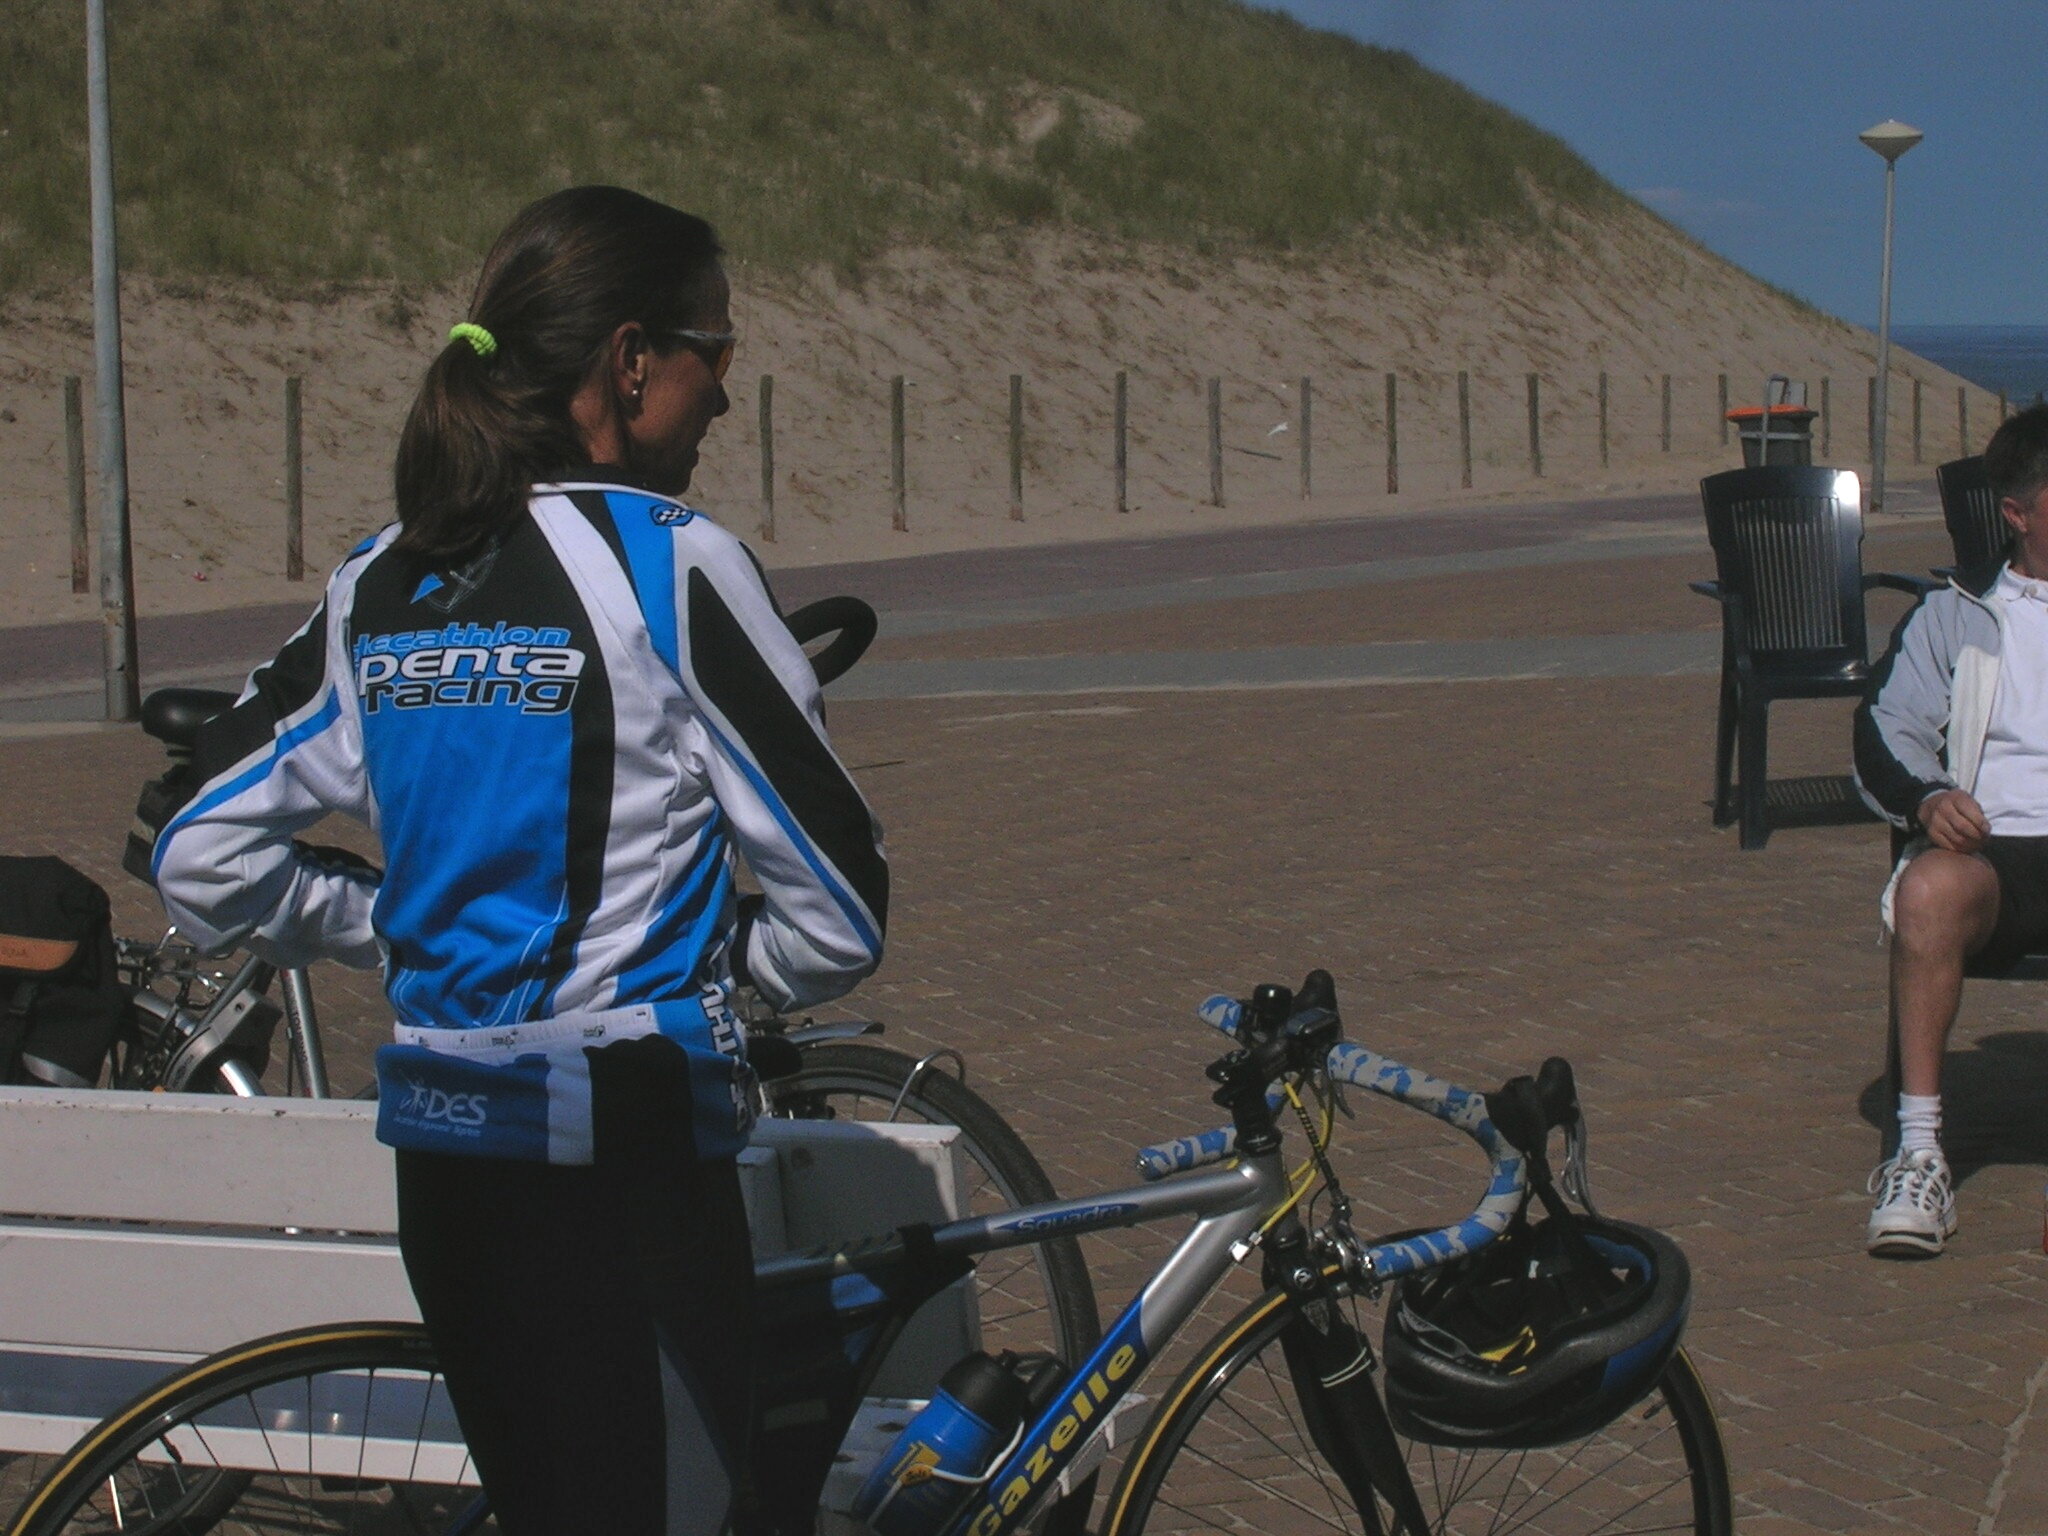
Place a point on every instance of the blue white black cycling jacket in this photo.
(561, 745)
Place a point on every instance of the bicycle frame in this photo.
(1230, 1204)
(144, 966)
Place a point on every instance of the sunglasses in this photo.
(715, 347)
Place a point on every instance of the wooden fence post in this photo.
(1916, 421)
(294, 485)
(1664, 430)
(1215, 442)
(1962, 420)
(1307, 426)
(1393, 438)
(1465, 429)
(1123, 438)
(1603, 418)
(768, 458)
(1016, 447)
(1827, 423)
(898, 480)
(74, 477)
(1535, 429)
(1724, 409)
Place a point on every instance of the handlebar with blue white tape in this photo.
(1187, 1152)
(1367, 1069)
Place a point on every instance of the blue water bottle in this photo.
(946, 1451)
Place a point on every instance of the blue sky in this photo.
(1738, 121)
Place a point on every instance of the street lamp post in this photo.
(117, 576)
(1890, 139)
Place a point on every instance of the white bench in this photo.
(140, 1231)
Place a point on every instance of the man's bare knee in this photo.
(1945, 901)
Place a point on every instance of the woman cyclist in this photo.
(565, 700)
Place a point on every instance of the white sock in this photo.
(1919, 1122)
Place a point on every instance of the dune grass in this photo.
(302, 141)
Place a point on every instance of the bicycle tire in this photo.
(1229, 1434)
(854, 1081)
(274, 1436)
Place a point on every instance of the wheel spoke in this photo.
(1275, 1493)
(1212, 1465)
(1627, 1455)
(1301, 1435)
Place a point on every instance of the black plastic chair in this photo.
(1788, 552)
(1977, 530)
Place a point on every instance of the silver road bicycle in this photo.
(1277, 1424)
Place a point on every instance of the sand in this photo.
(206, 365)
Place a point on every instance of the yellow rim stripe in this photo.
(1191, 1383)
(183, 1381)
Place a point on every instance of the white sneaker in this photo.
(1916, 1206)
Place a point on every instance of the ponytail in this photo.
(491, 421)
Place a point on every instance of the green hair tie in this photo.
(481, 340)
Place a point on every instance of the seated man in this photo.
(1952, 746)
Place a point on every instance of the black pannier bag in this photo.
(61, 1003)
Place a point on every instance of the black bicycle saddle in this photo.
(173, 715)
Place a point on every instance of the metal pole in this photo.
(1123, 441)
(1535, 430)
(1016, 447)
(1724, 410)
(900, 508)
(74, 482)
(1664, 427)
(767, 458)
(1962, 419)
(1827, 423)
(1307, 422)
(117, 576)
(1881, 413)
(294, 485)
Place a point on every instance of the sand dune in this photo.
(206, 365)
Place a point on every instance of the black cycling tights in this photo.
(593, 1323)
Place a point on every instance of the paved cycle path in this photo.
(1293, 666)
(986, 586)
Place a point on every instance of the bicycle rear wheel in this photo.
(1031, 1298)
(1228, 1451)
(343, 1428)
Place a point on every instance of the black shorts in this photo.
(2021, 864)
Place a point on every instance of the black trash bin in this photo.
(1791, 434)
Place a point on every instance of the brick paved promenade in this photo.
(1496, 868)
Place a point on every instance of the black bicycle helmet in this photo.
(1537, 1338)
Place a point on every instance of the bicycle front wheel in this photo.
(1229, 1450)
(1031, 1298)
(343, 1428)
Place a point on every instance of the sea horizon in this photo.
(2013, 358)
